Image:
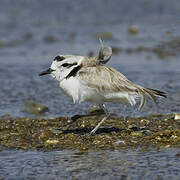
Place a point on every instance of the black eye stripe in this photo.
(59, 58)
(73, 72)
(68, 65)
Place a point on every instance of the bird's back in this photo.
(114, 86)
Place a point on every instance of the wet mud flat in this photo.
(143, 133)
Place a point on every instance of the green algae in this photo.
(154, 131)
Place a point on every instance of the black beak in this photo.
(46, 72)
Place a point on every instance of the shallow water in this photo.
(32, 33)
(94, 165)
(20, 82)
(30, 39)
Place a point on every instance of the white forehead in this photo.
(71, 58)
(67, 59)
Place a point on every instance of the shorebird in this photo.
(90, 79)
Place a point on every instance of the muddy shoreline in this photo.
(117, 133)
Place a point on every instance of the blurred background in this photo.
(144, 35)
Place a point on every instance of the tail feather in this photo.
(152, 93)
(143, 99)
(158, 93)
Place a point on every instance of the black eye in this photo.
(59, 58)
(68, 65)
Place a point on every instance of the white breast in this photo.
(79, 92)
(71, 87)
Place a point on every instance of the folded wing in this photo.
(107, 80)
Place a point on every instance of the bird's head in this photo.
(63, 66)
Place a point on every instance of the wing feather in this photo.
(106, 79)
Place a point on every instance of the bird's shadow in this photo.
(74, 118)
(83, 131)
(77, 116)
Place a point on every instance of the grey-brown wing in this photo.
(106, 79)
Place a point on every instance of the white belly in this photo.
(80, 92)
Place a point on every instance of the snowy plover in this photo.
(89, 79)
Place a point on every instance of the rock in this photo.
(96, 110)
(133, 127)
(90, 54)
(140, 49)
(104, 35)
(133, 30)
(52, 141)
(119, 142)
(129, 50)
(50, 39)
(144, 122)
(168, 146)
(56, 131)
(45, 134)
(146, 132)
(35, 108)
(136, 133)
(2, 44)
(178, 155)
(177, 117)
(158, 138)
(116, 50)
(28, 36)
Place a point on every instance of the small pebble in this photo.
(178, 155)
(144, 121)
(133, 127)
(136, 134)
(96, 109)
(119, 142)
(177, 117)
(52, 141)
